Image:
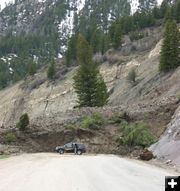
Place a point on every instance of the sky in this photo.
(2, 2)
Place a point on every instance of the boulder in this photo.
(146, 155)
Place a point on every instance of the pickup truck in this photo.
(72, 147)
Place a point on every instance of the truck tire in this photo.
(79, 152)
(61, 151)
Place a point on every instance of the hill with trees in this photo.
(32, 33)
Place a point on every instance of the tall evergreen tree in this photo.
(117, 36)
(51, 70)
(164, 8)
(70, 53)
(88, 83)
(32, 68)
(177, 11)
(170, 49)
(4, 74)
(116, 31)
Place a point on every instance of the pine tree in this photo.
(116, 34)
(156, 13)
(177, 11)
(168, 14)
(32, 69)
(132, 75)
(51, 70)
(88, 83)
(4, 74)
(71, 50)
(164, 8)
(23, 122)
(170, 49)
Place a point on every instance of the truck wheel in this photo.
(61, 151)
(79, 152)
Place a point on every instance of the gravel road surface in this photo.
(53, 172)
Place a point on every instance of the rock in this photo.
(168, 162)
(146, 155)
(1, 149)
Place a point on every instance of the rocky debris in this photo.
(168, 162)
(60, 74)
(146, 155)
(8, 149)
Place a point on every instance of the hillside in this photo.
(34, 34)
(152, 90)
(153, 99)
(48, 95)
(55, 19)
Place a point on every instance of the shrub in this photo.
(51, 70)
(70, 126)
(132, 76)
(98, 119)
(10, 138)
(87, 122)
(32, 69)
(136, 134)
(136, 35)
(23, 122)
(118, 118)
(93, 122)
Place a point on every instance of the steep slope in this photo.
(153, 99)
(41, 18)
(54, 16)
(44, 100)
(33, 32)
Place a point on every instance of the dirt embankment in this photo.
(46, 134)
(33, 140)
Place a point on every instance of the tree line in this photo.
(147, 15)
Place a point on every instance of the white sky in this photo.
(2, 2)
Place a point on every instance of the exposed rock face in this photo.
(168, 147)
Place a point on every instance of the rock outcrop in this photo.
(168, 147)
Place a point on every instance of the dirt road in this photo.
(52, 172)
